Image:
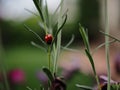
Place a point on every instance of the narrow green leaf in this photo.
(84, 37)
(34, 34)
(110, 36)
(62, 24)
(38, 46)
(41, 3)
(31, 12)
(43, 26)
(69, 49)
(28, 88)
(84, 87)
(55, 27)
(101, 45)
(55, 14)
(36, 2)
(115, 86)
(57, 9)
(70, 42)
(59, 29)
(65, 13)
(47, 14)
(48, 73)
(91, 60)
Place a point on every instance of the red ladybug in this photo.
(48, 39)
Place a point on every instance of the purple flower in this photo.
(16, 76)
(117, 63)
(42, 77)
(103, 82)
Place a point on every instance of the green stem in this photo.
(2, 65)
(58, 47)
(5, 79)
(98, 83)
(107, 43)
(55, 58)
(49, 58)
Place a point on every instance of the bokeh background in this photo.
(17, 55)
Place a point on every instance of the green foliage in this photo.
(115, 86)
(84, 37)
(38, 4)
(32, 60)
(48, 73)
(84, 87)
(87, 50)
(91, 60)
(88, 53)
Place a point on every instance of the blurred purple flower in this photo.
(103, 82)
(117, 63)
(74, 67)
(42, 77)
(16, 76)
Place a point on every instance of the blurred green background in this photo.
(19, 53)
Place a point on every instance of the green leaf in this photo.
(69, 49)
(40, 3)
(91, 60)
(65, 13)
(115, 86)
(110, 36)
(35, 34)
(70, 42)
(59, 29)
(28, 88)
(84, 37)
(47, 14)
(43, 26)
(48, 73)
(31, 12)
(101, 45)
(62, 24)
(55, 27)
(54, 14)
(36, 2)
(84, 87)
(38, 46)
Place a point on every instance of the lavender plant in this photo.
(52, 41)
(100, 86)
(52, 45)
(107, 85)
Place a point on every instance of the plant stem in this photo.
(57, 51)
(107, 43)
(98, 82)
(49, 58)
(2, 65)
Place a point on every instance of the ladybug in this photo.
(48, 39)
